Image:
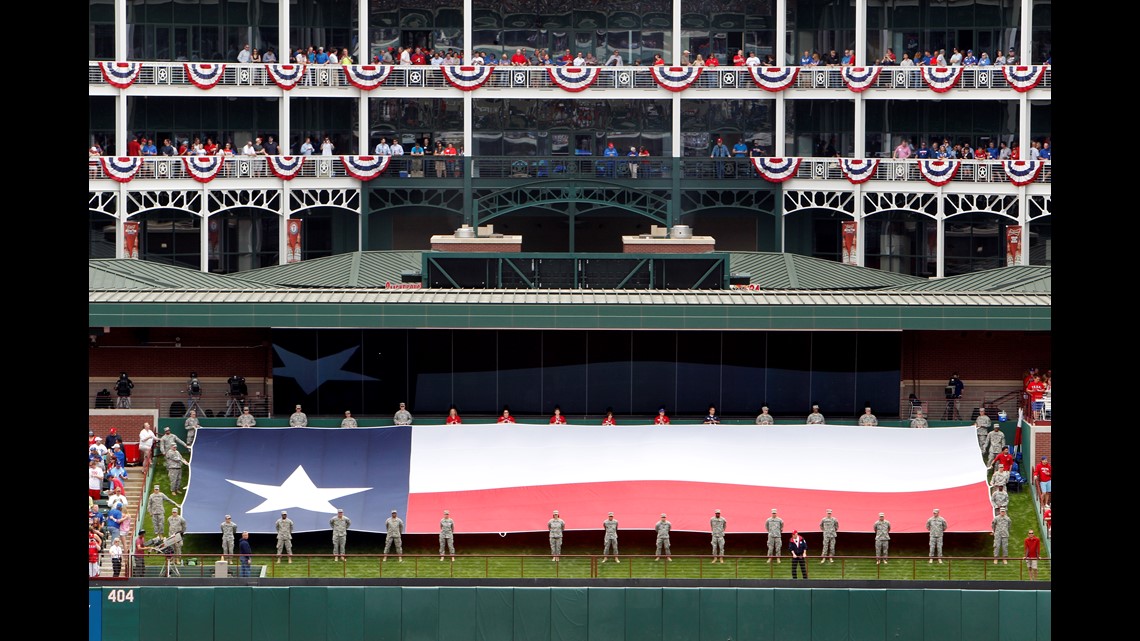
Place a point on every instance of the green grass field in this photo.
(491, 556)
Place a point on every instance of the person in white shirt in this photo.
(406, 57)
(327, 147)
(906, 61)
(579, 60)
(116, 499)
(146, 441)
(752, 60)
(307, 147)
(382, 148)
(243, 55)
(477, 59)
(396, 149)
(248, 149)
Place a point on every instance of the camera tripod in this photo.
(193, 404)
(234, 405)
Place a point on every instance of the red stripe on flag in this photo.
(638, 506)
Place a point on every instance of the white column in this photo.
(1023, 124)
(675, 127)
(284, 49)
(860, 34)
(468, 121)
(362, 122)
(364, 43)
(204, 231)
(283, 228)
(940, 254)
(781, 59)
(120, 218)
(284, 128)
(122, 42)
(860, 228)
(121, 133)
(676, 39)
(781, 32)
(468, 30)
(1026, 33)
(860, 126)
(1023, 220)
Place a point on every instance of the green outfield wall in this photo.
(403, 613)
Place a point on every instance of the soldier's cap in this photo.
(142, 531)
(340, 511)
(662, 515)
(283, 512)
(173, 509)
(829, 510)
(90, 433)
(773, 510)
(298, 407)
(867, 408)
(882, 513)
(815, 407)
(393, 511)
(446, 512)
(156, 487)
(716, 511)
(763, 408)
(1002, 509)
(936, 509)
(611, 513)
(227, 516)
(165, 429)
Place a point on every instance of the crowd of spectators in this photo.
(108, 517)
(943, 148)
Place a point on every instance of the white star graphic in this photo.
(297, 491)
(311, 374)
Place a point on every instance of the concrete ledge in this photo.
(694, 245)
(450, 243)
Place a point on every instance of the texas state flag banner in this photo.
(508, 478)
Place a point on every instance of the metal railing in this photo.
(209, 406)
(581, 566)
(561, 168)
(909, 79)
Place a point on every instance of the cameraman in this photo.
(237, 394)
(166, 548)
(123, 388)
(954, 388)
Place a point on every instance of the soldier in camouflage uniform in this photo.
(775, 527)
(284, 527)
(610, 541)
(447, 535)
(402, 416)
(555, 525)
(298, 418)
(815, 418)
(829, 525)
(168, 440)
(154, 508)
(348, 420)
(983, 424)
(868, 419)
(339, 524)
(882, 538)
(717, 523)
(999, 478)
(229, 529)
(1000, 499)
(174, 462)
(936, 525)
(245, 419)
(1000, 528)
(764, 418)
(919, 420)
(663, 528)
(395, 528)
(996, 441)
(191, 425)
(177, 525)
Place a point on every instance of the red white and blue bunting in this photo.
(860, 78)
(941, 79)
(366, 77)
(776, 170)
(121, 168)
(204, 75)
(286, 76)
(466, 77)
(365, 168)
(285, 167)
(774, 78)
(1022, 172)
(573, 78)
(1023, 78)
(675, 78)
(120, 74)
(938, 172)
(858, 170)
(203, 168)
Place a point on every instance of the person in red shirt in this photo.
(506, 415)
(93, 548)
(557, 418)
(661, 418)
(738, 59)
(453, 417)
(1005, 458)
(1032, 553)
(1047, 516)
(134, 147)
(658, 60)
(1036, 390)
(609, 419)
(712, 61)
(452, 166)
(418, 57)
(1043, 478)
(519, 59)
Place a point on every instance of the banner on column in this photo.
(214, 237)
(1013, 245)
(293, 245)
(131, 239)
(850, 239)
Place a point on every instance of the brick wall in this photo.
(1042, 446)
(175, 352)
(977, 355)
(128, 422)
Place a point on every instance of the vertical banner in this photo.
(214, 240)
(1013, 245)
(131, 239)
(850, 250)
(293, 246)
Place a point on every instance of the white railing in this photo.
(508, 77)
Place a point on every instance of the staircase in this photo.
(133, 487)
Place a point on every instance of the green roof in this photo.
(774, 270)
(354, 269)
(122, 273)
(1018, 278)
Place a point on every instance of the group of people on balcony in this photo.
(944, 149)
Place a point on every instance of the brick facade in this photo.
(128, 422)
(977, 355)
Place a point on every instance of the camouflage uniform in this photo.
(815, 418)
(348, 422)
(919, 422)
(1000, 499)
(868, 420)
(177, 525)
(999, 478)
(610, 543)
(765, 419)
(556, 525)
(191, 425)
(775, 527)
(228, 532)
(1000, 526)
(983, 427)
(996, 440)
(402, 417)
(936, 525)
(246, 420)
(882, 539)
(447, 535)
(284, 527)
(395, 528)
(663, 528)
(829, 525)
(298, 419)
(174, 463)
(717, 524)
(339, 524)
(167, 441)
(155, 509)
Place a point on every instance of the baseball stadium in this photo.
(705, 321)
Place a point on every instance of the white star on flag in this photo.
(297, 491)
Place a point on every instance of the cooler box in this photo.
(131, 451)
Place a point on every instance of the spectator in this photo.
(519, 58)
(94, 481)
(984, 60)
(327, 147)
(557, 418)
(906, 61)
(1043, 479)
(662, 418)
(246, 553)
(848, 58)
(244, 56)
(255, 57)
(686, 59)
(902, 152)
(798, 548)
(609, 420)
(719, 151)
(956, 57)
(453, 417)
(506, 417)
(269, 57)
(271, 147)
(711, 418)
(806, 60)
(954, 388)
(1032, 553)
(1005, 458)
(752, 60)
(970, 60)
(832, 59)
(93, 549)
(1036, 390)
(307, 147)
(738, 59)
